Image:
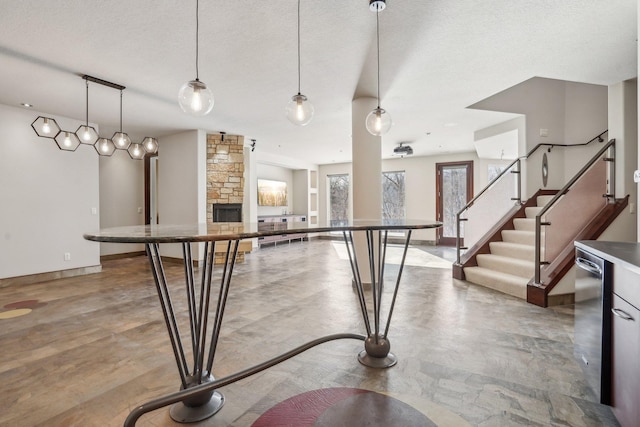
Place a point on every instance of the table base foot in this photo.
(182, 413)
(377, 362)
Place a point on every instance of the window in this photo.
(393, 191)
(339, 198)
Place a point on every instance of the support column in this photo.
(366, 152)
(366, 173)
(623, 127)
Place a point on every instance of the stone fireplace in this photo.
(225, 186)
(225, 170)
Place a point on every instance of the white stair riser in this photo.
(514, 266)
(525, 224)
(507, 284)
(525, 252)
(531, 212)
(520, 237)
(514, 250)
(543, 200)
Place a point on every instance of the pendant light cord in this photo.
(120, 111)
(378, 53)
(197, 33)
(298, 47)
(87, 105)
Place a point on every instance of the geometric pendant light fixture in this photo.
(195, 97)
(136, 151)
(67, 141)
(47, 127)
(105, 147)
(299, 110)
(378, 121)
(85, 133)
(121, 139)
(150, 145)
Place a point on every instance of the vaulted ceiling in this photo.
(437, 57)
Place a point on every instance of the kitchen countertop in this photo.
(622, 253)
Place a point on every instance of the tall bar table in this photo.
(198, 397)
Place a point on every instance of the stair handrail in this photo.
(563, 191)
(518, 198)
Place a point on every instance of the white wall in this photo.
(121, 196)
(182, 183)
(585, 111)
(572, 113)
(420, 185)
(586, 115)
(277, 173)
(623, 126)
(47, 197)
(518, 124)
(300, 200)
(250, 203)
(420, 179)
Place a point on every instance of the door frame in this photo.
(148, 187)
(450, 241)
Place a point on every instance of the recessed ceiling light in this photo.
(450, 124)
(26, 105)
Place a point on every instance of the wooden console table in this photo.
(199, 397)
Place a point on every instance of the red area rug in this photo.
(336, 407)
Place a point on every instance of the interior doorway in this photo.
(454, 189)
(151, 189)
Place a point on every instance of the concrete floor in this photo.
(95, 346)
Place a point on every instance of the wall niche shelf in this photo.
(306, 198)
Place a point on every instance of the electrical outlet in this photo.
(67, 256)
(94, 211)
(139, 210)
(636, 176)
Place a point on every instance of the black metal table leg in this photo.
(377, 347)
(194, 373)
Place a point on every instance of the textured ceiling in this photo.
(437, 58)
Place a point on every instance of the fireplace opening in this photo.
(227, 212)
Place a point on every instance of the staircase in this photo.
(525, 248)
(509, 265)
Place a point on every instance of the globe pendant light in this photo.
(299, 110)
(195, 97)
(378, 121)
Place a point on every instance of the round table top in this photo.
(218, 231)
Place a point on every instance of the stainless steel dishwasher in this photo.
(592, 331)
